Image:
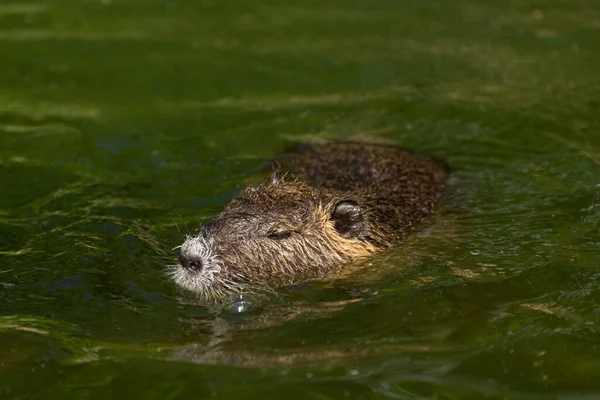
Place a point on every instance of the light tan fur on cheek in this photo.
(347, 248)
(312, 250)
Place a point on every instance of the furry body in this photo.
(342, 201)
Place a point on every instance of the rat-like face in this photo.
(277, 234)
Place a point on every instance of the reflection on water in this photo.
(124, 125)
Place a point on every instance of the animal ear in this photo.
(349, 219)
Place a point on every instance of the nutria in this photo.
(338, 202)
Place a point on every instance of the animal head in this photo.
(276, 234)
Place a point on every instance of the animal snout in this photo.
(190, 263)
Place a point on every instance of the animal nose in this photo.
(192, 263)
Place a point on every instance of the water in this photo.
(126, 123)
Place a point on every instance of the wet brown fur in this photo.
(361, 198)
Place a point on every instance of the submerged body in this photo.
(340, 201)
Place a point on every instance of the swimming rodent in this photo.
(338, 202)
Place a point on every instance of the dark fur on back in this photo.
(396, 188)
(339, 201)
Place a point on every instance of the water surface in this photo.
(126, 124)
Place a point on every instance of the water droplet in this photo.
(239, 304)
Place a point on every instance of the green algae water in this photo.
(124, 124)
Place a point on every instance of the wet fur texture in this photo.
(339, 201)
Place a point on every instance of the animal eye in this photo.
(279, 235)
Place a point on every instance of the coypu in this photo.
(362, 198)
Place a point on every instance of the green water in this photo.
(126, 123)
